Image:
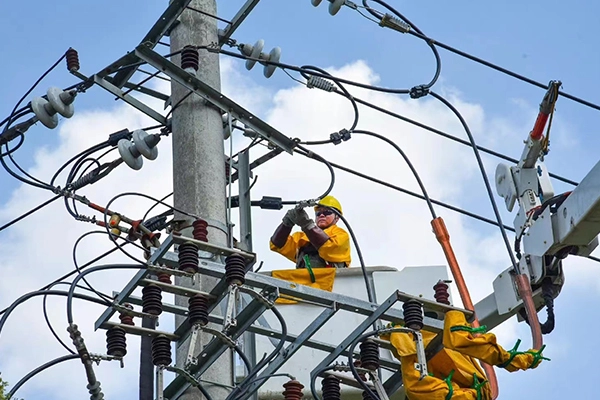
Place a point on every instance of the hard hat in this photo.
(330, 201)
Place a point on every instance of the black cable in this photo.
(29, 295)
(20, 112)
(252, 373)
(410, 165)
(307, 153)
(155, 205)
(244, 358)
(103, 296)
(17, 146)
(39, 369)
(363, 266)
(72, 293)
(28, 213)
(431, 44)
(209, 15)
(342, 88)
(366, 388)
(484, 175)
(82, 154)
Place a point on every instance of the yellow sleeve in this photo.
(290, 248)
(337, 248)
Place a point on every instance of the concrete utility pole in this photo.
(199, 182)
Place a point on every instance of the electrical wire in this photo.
(431, 44)
(36, 293)
(483, 174)
(340, 85)
(39, 369)
(408, 162)
(28, 213)
(310, 154)
(79, 276)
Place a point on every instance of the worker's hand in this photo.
(303, 220)
(289, 218)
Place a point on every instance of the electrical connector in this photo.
(389, 21)
(338, 137)
(419, 91)
(113, 138)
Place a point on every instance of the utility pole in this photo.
(199, 182)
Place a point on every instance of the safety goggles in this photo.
(323, 212)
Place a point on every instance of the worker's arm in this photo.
(281, 241)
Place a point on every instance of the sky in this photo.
(393, 229)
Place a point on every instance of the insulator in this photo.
(331, 388)
(161, 350)
(441, 293)
(190, 58)
(116, 344)
(200, 231)
(362, 375)
(320, 83)
(72, 60)
(198, 310)
(188, 257)
(127, 319)
(369, 355)
(293, 390)
(152, 300)
(413, 314)
(235, 269)
(164, 278)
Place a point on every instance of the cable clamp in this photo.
(337, 137)
(389, 21)
(419, 91)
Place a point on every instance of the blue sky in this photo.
(541, 40)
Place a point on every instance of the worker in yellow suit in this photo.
(320, 244)
(454, 373)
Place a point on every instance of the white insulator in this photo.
(320, 83)
(255, 54)
(44, 111)
(274, 56)
(335, 6)
(146, 144)
(130, 154)
(315, 2)
(61, 101)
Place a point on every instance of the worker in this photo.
(320, 244)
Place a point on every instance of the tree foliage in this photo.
(3, 386)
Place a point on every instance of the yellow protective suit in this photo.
(454, 372)
(324, 278)
(335, 250)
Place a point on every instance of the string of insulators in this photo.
(235, 269)
(413, 314)
(369, 355)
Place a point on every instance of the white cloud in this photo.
(392, 228)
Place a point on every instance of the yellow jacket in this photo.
(335, 250)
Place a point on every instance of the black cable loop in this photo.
(39, 369)
(307, 153)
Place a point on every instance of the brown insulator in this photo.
(441, 293)
(235, 269)
(190, 58)
(330, 386)
(152, 300)
(125, 318)
(293, 390)
(161, 350)
(188, 257)
(413, 314)
(116, 344)
(200, 231)
(164, 278)
(369, 355)
(72, 60)
(198, 310)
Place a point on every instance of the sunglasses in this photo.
(323, 212)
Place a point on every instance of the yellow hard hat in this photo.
(330, 201)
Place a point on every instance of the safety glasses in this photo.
(323, 212)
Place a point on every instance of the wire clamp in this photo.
(338, 137)
(419, 91)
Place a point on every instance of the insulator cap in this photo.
(293, 390)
